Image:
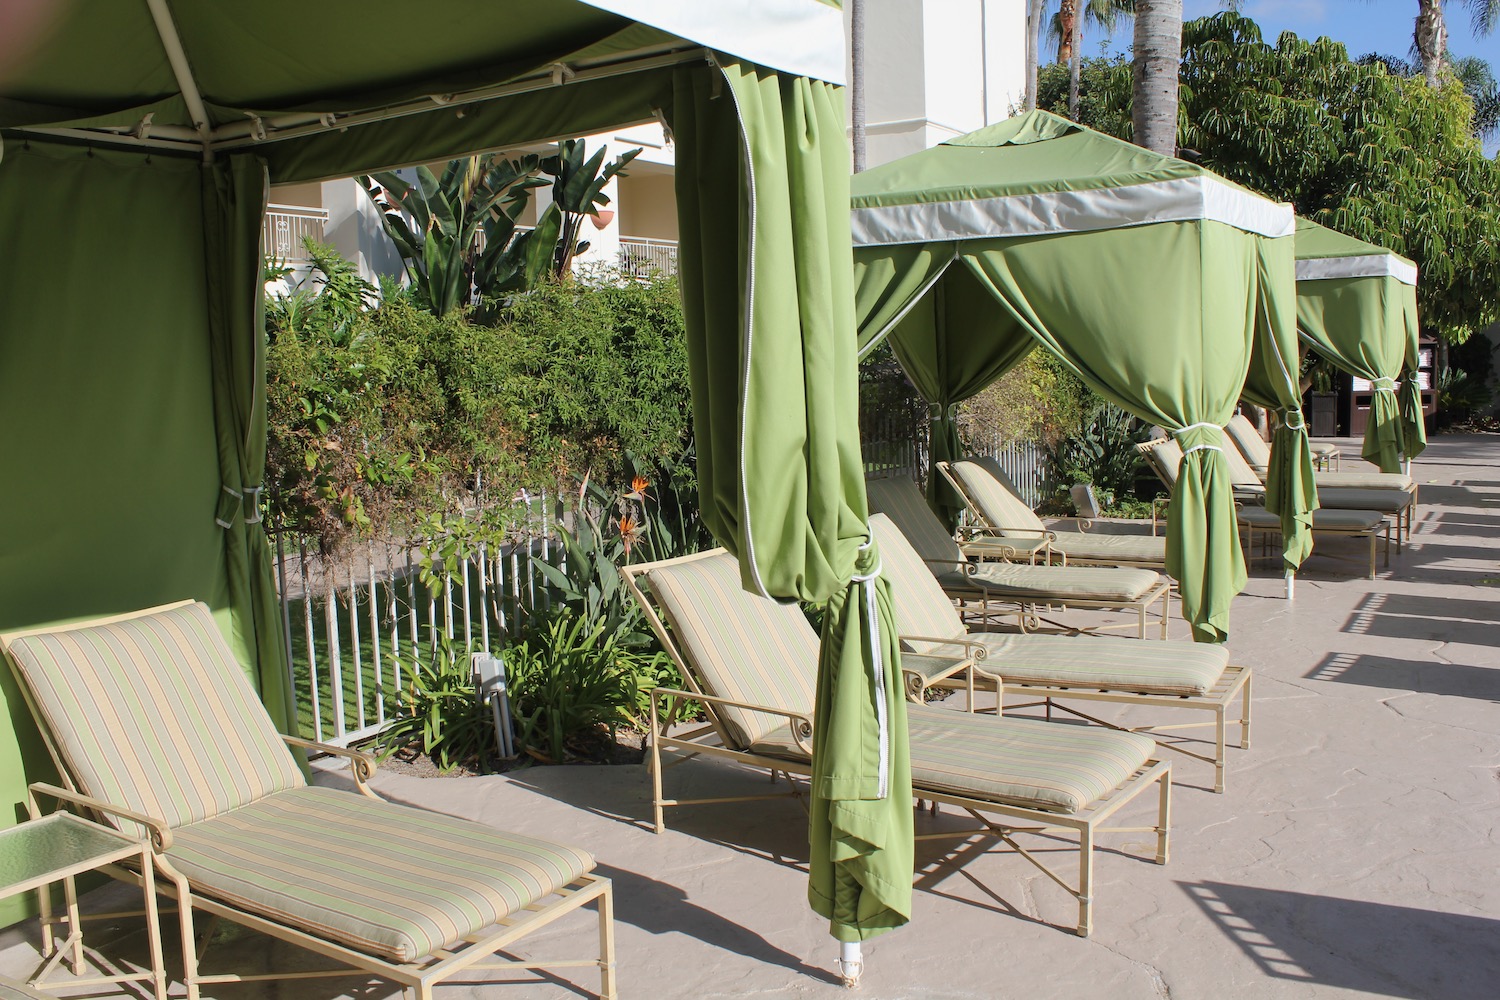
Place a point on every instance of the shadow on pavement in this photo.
(1375, 948)
(1455, 679)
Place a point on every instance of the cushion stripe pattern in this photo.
(1018, 580)
(1015, 762)
(898, 498)
(385, 879)
(1364, 480)
(1240, 473)
(742, 647)
(921, 606)
(1021, 762)
(1323, 517)
(152, 712)
(1103, 663)
(1248, 440)
(1348, 498)
(999, 508)
(1090, 546)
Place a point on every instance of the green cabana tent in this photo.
(1163, 286)
(1357, 306)
(139, 140)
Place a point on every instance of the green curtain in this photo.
(108, 409)
(1413, 426)
(1152, 354)
(234, 201)
(948, 336)
(767, 285)
(1360, 324)
(1272, 381)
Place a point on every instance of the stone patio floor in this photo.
(1353, 854)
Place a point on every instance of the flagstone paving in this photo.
(1354, 853)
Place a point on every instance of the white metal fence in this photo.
(285, 225)
(641, 258)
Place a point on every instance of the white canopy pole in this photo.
(851, 963)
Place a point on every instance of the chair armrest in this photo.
(161, 834)
(361, 764)
(973, 650)
(802, 724)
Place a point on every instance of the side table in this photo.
(59, 847)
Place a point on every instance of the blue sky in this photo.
(1362, 25)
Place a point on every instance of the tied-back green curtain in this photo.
(766, 274)
(234, 201)
(1185, 376)
(1413, 427)
(1272, 381)
(1360, 324)
(946, 332)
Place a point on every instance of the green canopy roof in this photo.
(1357, 306)
(1162, 285)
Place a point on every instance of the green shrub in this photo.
(569, 676)
(1102, 453)
(440, 713)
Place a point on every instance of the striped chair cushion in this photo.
(991, 465)
(741, 647)
(921, 606)
(1240, 473)
(1166, 455)
(1102, 663)
(1243, 435)
(1095, 547)
(383, 879)
(997, 506)
(898, 498)
(1018, 580)
(1363, 480)
(1323, 519)
(1020, 762)
(1016, 762)
(151, 711)
(1348, 498)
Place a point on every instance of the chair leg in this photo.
(1219, 727)
(189, 939)
(607, 944)
(1245, 715)
(153, 925)
(654, 766)
(70, 894)
(1164, 820)
(1085, 881)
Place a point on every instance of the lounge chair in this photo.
(1393, 493)
(154, 729)
(999, 513)
(750, 664)
(1258, 453)
(1051, 670)
(986, 586)
(1360, 513)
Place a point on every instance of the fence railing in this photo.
(640, 257)
(284, 227)
(357, 628)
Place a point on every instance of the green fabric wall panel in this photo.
(106, 402)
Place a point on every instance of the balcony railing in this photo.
(641, 257)
(285, 226)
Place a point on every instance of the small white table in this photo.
(59, 847)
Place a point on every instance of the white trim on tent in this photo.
(1375, 265)
(1052, 212)
(802, 37)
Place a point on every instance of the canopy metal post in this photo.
(851, 963)
(170, 41)
(1291, 585)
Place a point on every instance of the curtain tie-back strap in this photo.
(1203, 436)
(866, 575)
(229, 505)
(1383, 385)
(1292, 419)
(937, 411)
(252, 504)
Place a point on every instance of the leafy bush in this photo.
(1103, 455)
(1040, 399)
(569, 676)
(441, 715)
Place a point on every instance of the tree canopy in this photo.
(1373, 154)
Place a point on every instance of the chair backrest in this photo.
(1240, 473)
(151, 711)
(1165, 456)
(898, 498)
(995, 505)
(1244, 435)
(737, 645)
(920, 604)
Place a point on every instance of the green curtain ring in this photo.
(252, 504)
(1292, 419)
(229, 505)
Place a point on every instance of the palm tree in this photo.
(1430, 37)
(1066, 31)
(1034, 10)
(1158, 56)
(857, 81)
